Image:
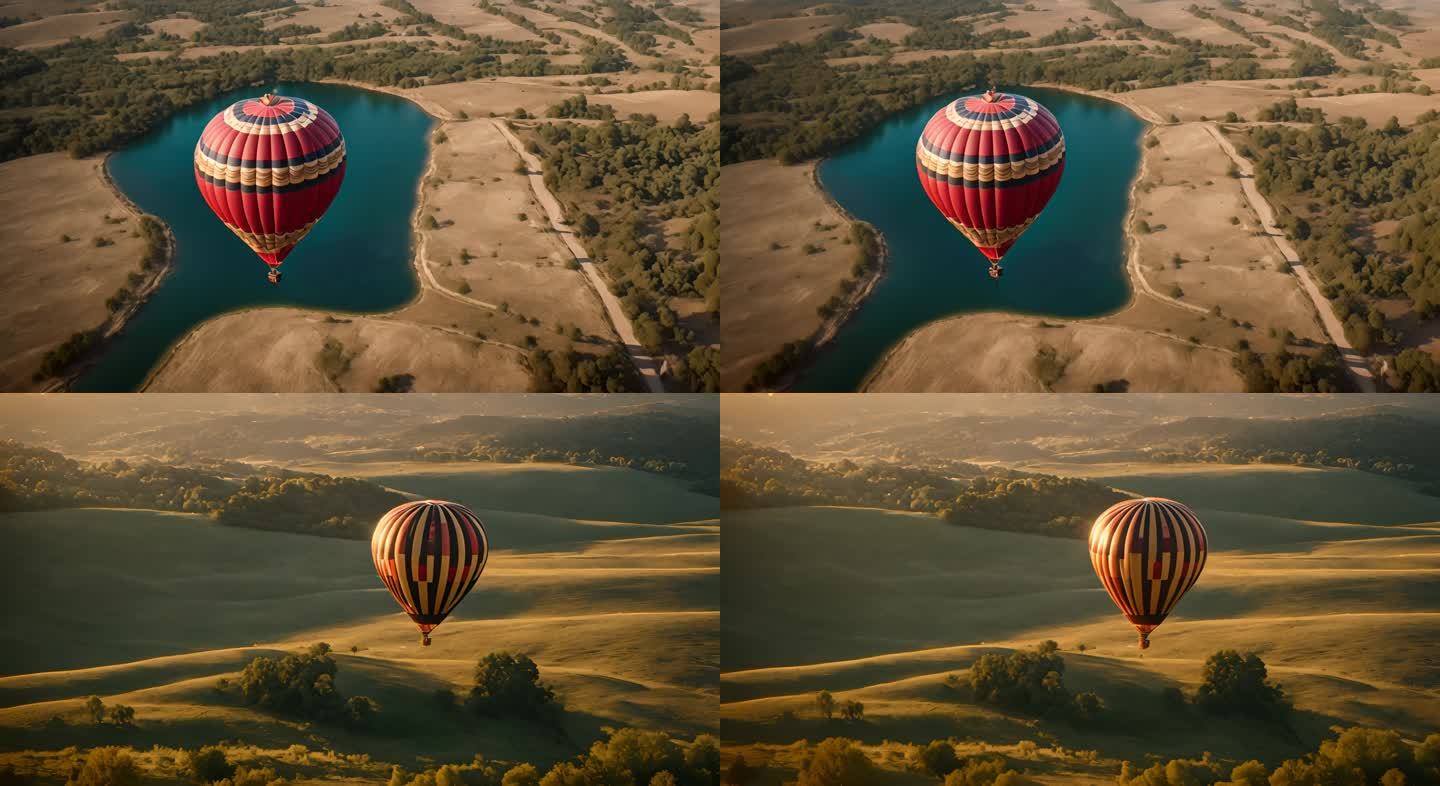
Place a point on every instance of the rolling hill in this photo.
(1332, 576)
(619, 607)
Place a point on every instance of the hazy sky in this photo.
(68, 416)
(799, 415)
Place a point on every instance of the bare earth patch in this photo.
(513, 261)
(1047, 17)
(996, 353)
(665, 105)
(55, 288)
(893, 32)
(1188, 191)
(53, 30)
(473, 19)
(362, 350)
(771, 287)
(771, 33)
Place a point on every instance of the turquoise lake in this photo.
(1071, 263)
(356, 259)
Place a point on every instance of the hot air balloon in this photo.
(990, 164)
(270, 167)
(1148, 553)
(429, 554)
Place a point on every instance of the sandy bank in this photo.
(57, 286)
(291, 350)
(785, 257)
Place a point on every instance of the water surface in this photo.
(1071, 263)
(356, 259)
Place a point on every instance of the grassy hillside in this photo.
(1312, 493)
(882, 607)
(149, 609)
(587, 493)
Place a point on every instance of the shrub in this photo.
(107, 766)
(521, 775)
(937, 758)
(837, 762)
(509, 684)
(1239, 684)
(207, 765)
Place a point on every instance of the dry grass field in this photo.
(1343, 611)
(57, 286)
(622, 619)
(772, 287)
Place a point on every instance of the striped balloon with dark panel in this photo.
(1148, 553)
(429, 554)
(269, 168)
(990, 164)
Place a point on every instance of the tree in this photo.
(107, 766)
(122, 715)
(263, 776)
(826, 703)
(852, 710)
(937, 758)
(361, 710)
(1239, 684)
(96, 708)
(521, 775)
(739, 773)
(208, 764)
(837, 762)
(301, 685)
(509, 684)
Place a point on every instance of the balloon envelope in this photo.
(990, 164)
(269, 168)
(1148, 553)
(429, 554)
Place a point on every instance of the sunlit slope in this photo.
(1347, 616)
(1309, 493)
(150, 609)
(586, 493)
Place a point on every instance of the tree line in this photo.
(790, 103)
(279, 500)
(640, 174)
(506, 686)
(753, 476)
(1332, 183)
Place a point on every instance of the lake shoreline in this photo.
(112, 327)
(822, 340)
(436, 113)
(1134, 277)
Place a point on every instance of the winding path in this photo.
(1357, 364)
(644, 363)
